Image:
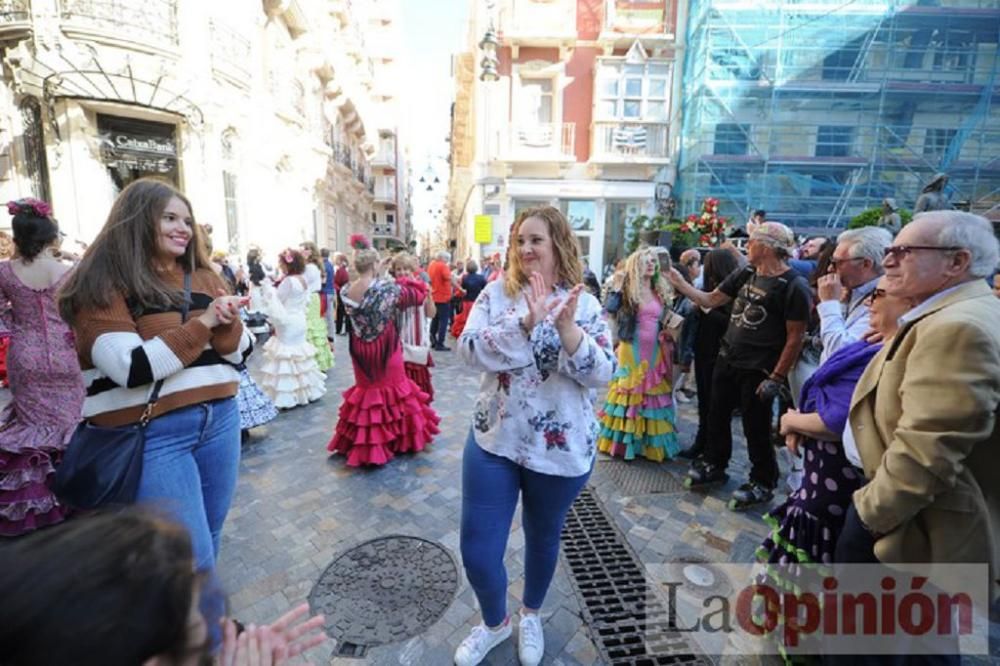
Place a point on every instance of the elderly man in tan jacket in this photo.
(924, 414)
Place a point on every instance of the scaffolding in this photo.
(816, 110)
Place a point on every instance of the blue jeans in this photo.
(189, 470)
(490, 487)
(440, 323)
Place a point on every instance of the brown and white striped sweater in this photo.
(122, 356)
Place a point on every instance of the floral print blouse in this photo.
(379, 305)
(536, 402)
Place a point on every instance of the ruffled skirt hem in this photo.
(377, 422)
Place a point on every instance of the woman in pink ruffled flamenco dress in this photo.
(44, 374)
(385, 412)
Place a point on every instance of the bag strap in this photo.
(154, 395)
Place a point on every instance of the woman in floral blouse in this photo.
(544, 348)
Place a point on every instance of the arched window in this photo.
(33, 138)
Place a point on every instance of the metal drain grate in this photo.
(628, 621)
(637, 477)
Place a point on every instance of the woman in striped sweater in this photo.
(125, 303)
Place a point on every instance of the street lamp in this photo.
(489, 64)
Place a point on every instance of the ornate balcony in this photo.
(538, 22)
(624, 22)
(151, 22)
(542, 142)
(15, 20)
(628, 142)
(230, 53)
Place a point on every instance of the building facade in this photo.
(264, 118)
(582, 117)
(816, 111)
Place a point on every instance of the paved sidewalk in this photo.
(296, 509)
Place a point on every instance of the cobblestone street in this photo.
(296, 509)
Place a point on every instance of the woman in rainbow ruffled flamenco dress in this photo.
(385, 412)
(289, 374)
(638, 416)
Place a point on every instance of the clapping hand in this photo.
(564, 311)
(272, 644)
(536, 298)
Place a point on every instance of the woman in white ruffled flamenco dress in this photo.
(289, 375)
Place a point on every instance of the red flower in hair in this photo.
(29, 205)
(359, 242)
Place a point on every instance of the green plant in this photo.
(871, 217)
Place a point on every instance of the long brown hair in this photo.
(314, 257)
(565, 250)
(120, 260)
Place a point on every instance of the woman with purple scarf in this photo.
(806, 526)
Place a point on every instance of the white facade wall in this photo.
(266, 96)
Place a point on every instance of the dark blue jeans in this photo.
(440, 323)
(189, 471)
(490, 488)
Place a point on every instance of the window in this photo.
(834, 141)
(390, 218)
(938, 140)
(633, 91)
(34, 148)
(232, 209)
(537, 101)
(731, 139)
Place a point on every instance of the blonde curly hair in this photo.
(565, 250)
(632, 285)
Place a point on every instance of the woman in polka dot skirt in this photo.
(805, 528)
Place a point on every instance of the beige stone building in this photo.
(266, 117)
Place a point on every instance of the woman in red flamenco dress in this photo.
(385, 412)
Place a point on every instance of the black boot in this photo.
(750, 494)
(703, 475)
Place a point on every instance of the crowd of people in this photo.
(874, 360)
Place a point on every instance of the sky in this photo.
(433, 30)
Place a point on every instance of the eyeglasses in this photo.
(897, 252)
(875, 295)
(834, 263)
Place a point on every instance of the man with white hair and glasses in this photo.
(855, 268)
(924, 422)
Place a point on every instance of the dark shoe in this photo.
(750, 494)
(703, 474)
(442, 348)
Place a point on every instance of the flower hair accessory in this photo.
(359, 242)
(30, 206)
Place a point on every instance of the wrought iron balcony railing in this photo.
(14, 10)
(541, 142)
(631, 142)
(230, 49)
(135, 20)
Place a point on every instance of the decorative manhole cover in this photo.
(385, 590)
(638, 477)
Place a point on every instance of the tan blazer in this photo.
(925, 418)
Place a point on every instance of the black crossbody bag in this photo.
(102, 466)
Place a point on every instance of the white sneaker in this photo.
(477, 645)
(530, 640)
